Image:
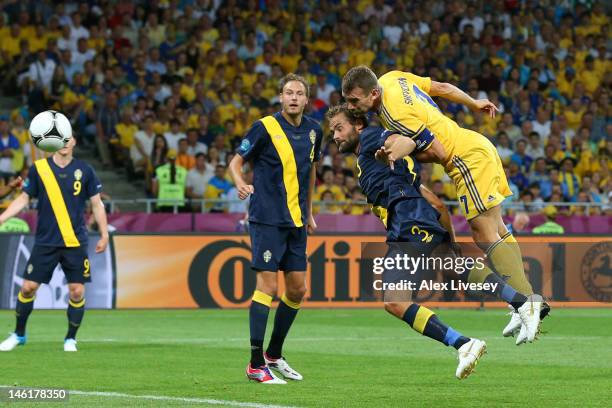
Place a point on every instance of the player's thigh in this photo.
(76, 265)
(294, 258)
(479, 180)
(268, 245)
(399, 283)
(266, 282)
(42, 263)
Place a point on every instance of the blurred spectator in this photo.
(329, 186)
(534, 149)
(519, 223)
(141, 149)
(9, 145)
(521, 158)
(567, 177)
(184, 159)
(169, 184)
(106, 121)
(41, 71)
(174, 134)
(198, 177)
(550, 226)
(503, 148)
(218, 186)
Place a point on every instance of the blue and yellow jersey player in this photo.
(62, 185)
(403, 102)
(284, 149)
(411, 214)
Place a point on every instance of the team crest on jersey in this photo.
(30, 268)
(313, 136)
(78, 174)
(267, 256)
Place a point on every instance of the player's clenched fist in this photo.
(245, 190)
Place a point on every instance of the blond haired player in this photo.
(403, 102)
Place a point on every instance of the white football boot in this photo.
(514, 326)
(530, 318)
(70, 345)
(468, 356)
(281, 366)
(11, 342)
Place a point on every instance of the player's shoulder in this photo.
(311, 122)
(393, 75)
(370, 138)
(86, 168)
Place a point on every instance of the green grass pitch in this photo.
(348, 358)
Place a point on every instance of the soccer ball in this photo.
(50, 131)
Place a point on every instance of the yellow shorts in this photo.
(479, 176)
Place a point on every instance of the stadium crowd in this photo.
(159, 85)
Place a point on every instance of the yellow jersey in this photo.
(408, 109)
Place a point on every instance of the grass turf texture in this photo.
(348, 358)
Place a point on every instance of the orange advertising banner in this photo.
(213, 271)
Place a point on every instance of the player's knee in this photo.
(395, 308)
(269, 288)
(77, 292)
(29, 289)
(296, 293)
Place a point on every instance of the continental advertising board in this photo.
(213, 271)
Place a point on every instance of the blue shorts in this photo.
(44, 259)
(277, 248)
(413, 229)
(415, 220)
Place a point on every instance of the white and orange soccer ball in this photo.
(50, 131)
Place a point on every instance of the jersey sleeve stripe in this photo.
(396, 125)
(290, 174)
(469, 181)
(57, 203)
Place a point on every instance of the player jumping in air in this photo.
(406, 208)
(62, 185)
(403, 103)
(284, 149)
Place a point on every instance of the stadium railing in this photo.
(204, 205)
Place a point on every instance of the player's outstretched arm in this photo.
(454, 94)
(15, 207)
(445, 218)
(235, 168)
(99, 213)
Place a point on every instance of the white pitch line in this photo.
(222, 340)
(227, 403)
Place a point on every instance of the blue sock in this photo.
(258, 318)
(426, 322)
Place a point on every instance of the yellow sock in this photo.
(478, 275)
(505, 255)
